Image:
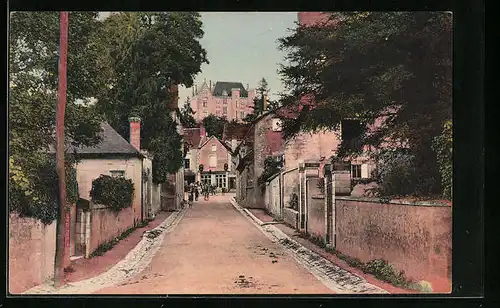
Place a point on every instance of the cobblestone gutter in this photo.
(135, 262)
(332, 276)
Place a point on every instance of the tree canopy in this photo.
(214, 125)
(33, 74)
(258, 101)
(187, 115)
(148, 55)
(368, 65)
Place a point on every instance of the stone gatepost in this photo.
(329, 187)
(302, 187)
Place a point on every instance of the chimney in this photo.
(135, 132)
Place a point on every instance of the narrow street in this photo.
(216, 250)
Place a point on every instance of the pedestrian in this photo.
(206, 192)
(196, 190)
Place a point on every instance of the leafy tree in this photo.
(187, 118)
(258, 102)
(214, 125)
(33, 72)
(395, 65)
(151, 54)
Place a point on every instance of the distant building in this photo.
(228, 99)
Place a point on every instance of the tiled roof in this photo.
(235, 131)
(220, 86)
(111, 144)
(192, 136)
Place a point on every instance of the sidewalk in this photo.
(292, 233)
(87, 268)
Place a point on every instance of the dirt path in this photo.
(215, 250)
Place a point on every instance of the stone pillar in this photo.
(329, 180)
(302, 187)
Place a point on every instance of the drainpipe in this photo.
(282, 188)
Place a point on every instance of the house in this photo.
(192, 138)
(228, 99)
(92, 224)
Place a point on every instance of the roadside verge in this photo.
(337, 279)
(135, 262)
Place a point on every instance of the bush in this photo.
(294, 202)
(396, 173)
(33, 187)
(114, 192)
(386, 272)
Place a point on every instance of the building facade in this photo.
(223, 99)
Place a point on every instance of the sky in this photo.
(242, 47)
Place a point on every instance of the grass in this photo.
(103, 248)
(379, 268)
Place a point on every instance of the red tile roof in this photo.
(235, 131)
(192, 136)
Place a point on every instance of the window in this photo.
(213, 161)
(224, 110)
(214, 148)
(242, 114)
(186, 163)
(351, 131)
(220, 180)
(206, 179)
(355, 171)
(117, 173)
(205, 101)
(276, 125)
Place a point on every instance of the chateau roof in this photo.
(220, 86)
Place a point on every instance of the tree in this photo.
(395, 65)
(214, 125)
(187, 118)
(258, 101)
(151, 53)
(33, 46)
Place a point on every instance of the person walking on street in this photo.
(196, 191)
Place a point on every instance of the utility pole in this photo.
(61, 251)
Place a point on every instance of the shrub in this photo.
(396, 173)
(33, 188)
(114, 192)
(386, 272)
(294, 202)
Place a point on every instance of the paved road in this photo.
(215, 250)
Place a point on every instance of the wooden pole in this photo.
(61, 251)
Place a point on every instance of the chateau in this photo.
(229, 99)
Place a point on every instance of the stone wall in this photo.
(291, 217)
(106, 224)
(272, 197)
(414, 238)
(32, 247)
(315, 208)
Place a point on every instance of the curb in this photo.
(335, 278)
(133, 263)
